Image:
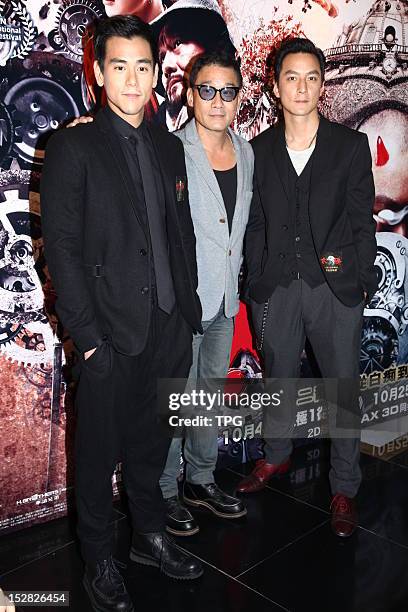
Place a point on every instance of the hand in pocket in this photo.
(98, 360)
(89, 353)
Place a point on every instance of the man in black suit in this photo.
(121, 251)
(310, 251)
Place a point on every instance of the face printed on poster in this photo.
(43, 86)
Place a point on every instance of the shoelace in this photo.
(112, 569)
(259, 466)
(340, 504)
(172, 503)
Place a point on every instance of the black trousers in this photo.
(295, 313)
(117, 421)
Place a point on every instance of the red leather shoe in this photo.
(344, 515)
(260, 476)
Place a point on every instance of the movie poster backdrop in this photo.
(45, 79)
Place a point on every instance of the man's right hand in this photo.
(89, 353)
(78, 120)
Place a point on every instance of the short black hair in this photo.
(124, 26)
(215, 58)
(297, 45)
(206, 28)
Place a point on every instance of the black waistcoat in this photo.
(301, 260)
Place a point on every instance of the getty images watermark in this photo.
(284, 407)
(201, 400)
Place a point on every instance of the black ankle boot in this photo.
(159, 550)
(105, 587)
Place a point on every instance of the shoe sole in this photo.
(277, 476)
(138, 558)
(256, 490)
(197, 503)
(183, 534)
(344, 536)
(95, 605)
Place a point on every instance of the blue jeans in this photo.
(211, 356)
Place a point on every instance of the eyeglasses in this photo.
(208, 92)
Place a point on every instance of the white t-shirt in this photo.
(300, 158)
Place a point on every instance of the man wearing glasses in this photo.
(219, 172)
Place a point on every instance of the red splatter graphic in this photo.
(226, 11)
(382, 156)
(329, 7)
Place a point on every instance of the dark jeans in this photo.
(117, 421)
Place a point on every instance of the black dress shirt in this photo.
(125, 131)
(154, 217)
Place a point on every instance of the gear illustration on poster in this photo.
(386, 317)
(17, 31)
(54, 40)
(73, 19)
(40, 93)
(25, 333)
(10, 133)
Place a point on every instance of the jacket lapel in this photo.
(320, 160)
(280, 155)
(168, 182)
(321, 164)
(321, 154)
(119, 161)
(240, 198)
(197, 153)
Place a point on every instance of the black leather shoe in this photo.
(105, 587)
(179, 520)
(211, 497)
(159, 550)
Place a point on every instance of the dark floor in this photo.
(283, 556)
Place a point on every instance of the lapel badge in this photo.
(332, 262)
(180, 188)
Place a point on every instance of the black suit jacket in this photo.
(341, 203)
(96, 246)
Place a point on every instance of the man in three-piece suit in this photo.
(310, 250)
(220, 171)
(121, 251)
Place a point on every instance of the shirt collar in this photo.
(122, 127)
